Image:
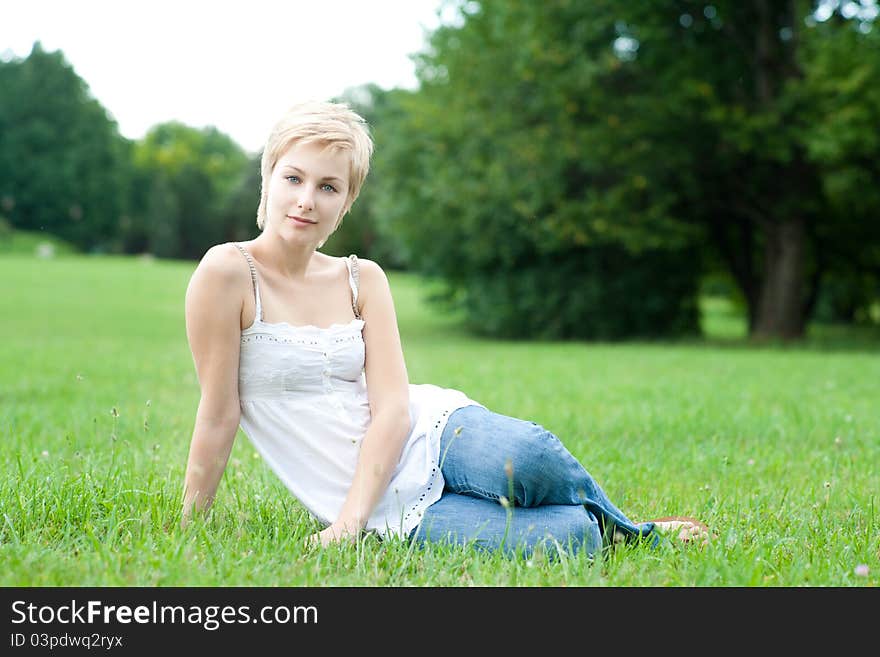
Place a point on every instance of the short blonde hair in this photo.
(333, 124)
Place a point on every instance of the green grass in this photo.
(777, 447)
(31, 243)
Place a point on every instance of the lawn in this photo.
(777, 447)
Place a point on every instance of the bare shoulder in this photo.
(374, 296)
(221, 280)
(371, 273)
(223, 263)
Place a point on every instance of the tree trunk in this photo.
(779, 310)
(780, 304)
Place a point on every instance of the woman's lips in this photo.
(302, 220)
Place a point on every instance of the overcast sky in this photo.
(235, 65)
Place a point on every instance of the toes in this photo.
(688, 529)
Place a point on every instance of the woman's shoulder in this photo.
(369, 268)
(373, 282)
(224, 262)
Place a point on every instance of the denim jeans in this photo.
(511, 485)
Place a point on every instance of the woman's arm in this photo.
(388, 391)
(213, 327)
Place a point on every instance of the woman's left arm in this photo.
(388, 391)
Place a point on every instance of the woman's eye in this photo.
(293, 179)
(327, 187)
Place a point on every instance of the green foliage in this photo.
(590, 293)
(65, 171)
(64, 168)
(190, 191)
(515, 195)
(843, 81)
(726, 136)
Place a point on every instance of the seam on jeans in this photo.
(482, 493)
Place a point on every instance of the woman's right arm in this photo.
(213, 328)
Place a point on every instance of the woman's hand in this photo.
(333, 534)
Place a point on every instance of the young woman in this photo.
(302, 351)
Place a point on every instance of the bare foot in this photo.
(690, 530)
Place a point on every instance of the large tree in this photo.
(740, 128)
(64, 168)
(189, 181)
(763, 101)
(502, 187)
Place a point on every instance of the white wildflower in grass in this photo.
(862, 570)
(837, 440)
(750, 462)
(44, 453)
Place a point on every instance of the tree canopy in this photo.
(64, 169)
(732, 136)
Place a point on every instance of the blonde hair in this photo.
(333, 124)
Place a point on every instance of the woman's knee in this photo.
(570, 529)
(542, 469)
(574, 528)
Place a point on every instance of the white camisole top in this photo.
(304, 406)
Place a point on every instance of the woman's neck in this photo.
(290, 261)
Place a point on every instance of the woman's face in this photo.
(307, 192)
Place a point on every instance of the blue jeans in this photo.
(512, 485)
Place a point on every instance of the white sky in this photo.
(236, 65)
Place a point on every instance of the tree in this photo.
(843, 82)
(719, 135)
(507, 188)
(748, 85)
(188, 179)
(64, 168)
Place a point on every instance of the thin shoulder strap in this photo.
(250, 262)
(353, 281)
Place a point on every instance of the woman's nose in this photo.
(306, 200)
